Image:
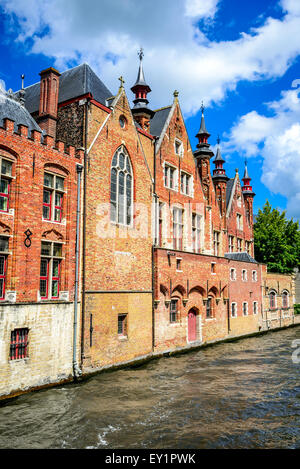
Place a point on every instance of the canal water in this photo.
(244, 394)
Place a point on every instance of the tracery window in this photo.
(121, 188)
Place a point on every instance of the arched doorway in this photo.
(192, 325)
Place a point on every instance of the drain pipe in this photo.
(76, 370)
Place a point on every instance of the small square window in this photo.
(213, 267)
(178, 265)
(173, 310)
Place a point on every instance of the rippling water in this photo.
(244, 394)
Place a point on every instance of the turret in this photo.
(141, 113)
(248, 195)
(220, 180)
(203, 154)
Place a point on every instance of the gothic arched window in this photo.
(121, 188)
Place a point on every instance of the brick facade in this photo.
(166, 249)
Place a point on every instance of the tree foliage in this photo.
(276, 240)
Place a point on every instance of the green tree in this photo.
(276, 240)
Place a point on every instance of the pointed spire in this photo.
(203, 135)
(247, 188)
(140, 110)
(219, 172)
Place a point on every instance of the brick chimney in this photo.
(49, 88)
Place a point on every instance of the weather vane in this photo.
(141, 53)
(218, 139)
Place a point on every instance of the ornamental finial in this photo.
(141, 53)
(218, 140)
(176, 94)
(202, 107)
(22, 78)
(122, 81)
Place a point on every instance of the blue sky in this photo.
(241, 58)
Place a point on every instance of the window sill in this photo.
(122, 337)
(53, 221)
(18, 360)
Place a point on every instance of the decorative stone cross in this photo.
(122, 81)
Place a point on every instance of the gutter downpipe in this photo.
(84, 231)
(155, 242)
(76, 370)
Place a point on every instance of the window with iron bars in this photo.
(19, 344)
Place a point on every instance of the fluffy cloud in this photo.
(178, 55)
(277, 140)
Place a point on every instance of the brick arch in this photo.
(4, 229)
(180, 289)
(197, 289)
(213, 291)
(57, 168)
(6, 151)
(164, 290)
(52, 235)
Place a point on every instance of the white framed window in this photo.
(179, 264)
(177, 228)
(121, 188)
(216, 243)
(185, 183)
(254, 275)
(178, 146)
(245, 308)
(285, 299)
(248, 247)
(239, 221)
(239, 244)
(255, 307)
(170, 177)
(196, 232)
(233, 310)
(244, 275)
(232, 274)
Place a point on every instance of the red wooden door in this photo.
(192, 326)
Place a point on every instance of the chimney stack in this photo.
(49, 88)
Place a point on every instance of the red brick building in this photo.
(37, 260)
(152, 252)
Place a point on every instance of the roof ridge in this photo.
(161, 108)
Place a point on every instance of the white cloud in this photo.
(277, 140)
(201, 8)
(178, 55)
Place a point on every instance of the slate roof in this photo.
(14, 110)
(228, 190)
(72, 83)
(158, 120)
(240, 256)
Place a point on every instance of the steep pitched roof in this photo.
(229, 187)
(73, 83)
(240, 256)
(159, 119)
(14, 110)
